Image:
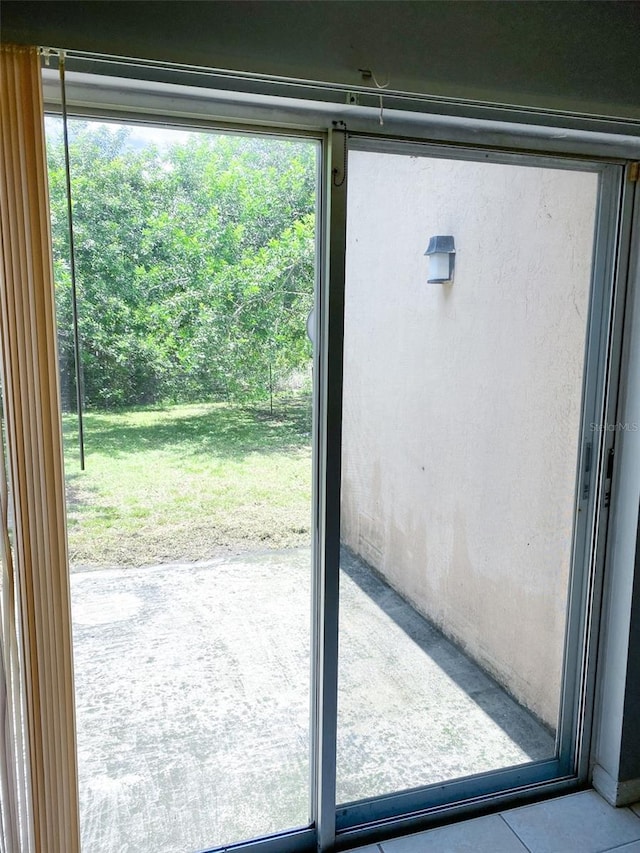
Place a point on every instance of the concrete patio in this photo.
(192, 686)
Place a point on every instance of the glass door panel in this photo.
(189, 527)
(466, 312)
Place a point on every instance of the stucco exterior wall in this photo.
(462, 402)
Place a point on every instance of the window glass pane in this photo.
(461, 415)
(189, 529)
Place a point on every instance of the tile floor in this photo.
(576, 823)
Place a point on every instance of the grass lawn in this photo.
(187, 483)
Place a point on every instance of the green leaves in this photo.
(195, 264)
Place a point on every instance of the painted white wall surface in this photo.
(462, 402)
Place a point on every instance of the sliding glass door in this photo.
(189, 483)
(474, 300)
(362, 378)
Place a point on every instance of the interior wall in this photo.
(572, 56)
(616, 748)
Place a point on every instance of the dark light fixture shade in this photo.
(441, 245)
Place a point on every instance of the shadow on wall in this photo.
(528, 732)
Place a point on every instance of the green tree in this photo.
(195, 264)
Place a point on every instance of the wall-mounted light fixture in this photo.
(441, 252)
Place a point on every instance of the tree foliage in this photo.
(195, 264)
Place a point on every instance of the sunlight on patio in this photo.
(193, 701)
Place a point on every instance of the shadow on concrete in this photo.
(518, 723)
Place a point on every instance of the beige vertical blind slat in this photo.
(34, 443)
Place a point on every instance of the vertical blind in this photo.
(34, 461)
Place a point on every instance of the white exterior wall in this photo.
(462, 402)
